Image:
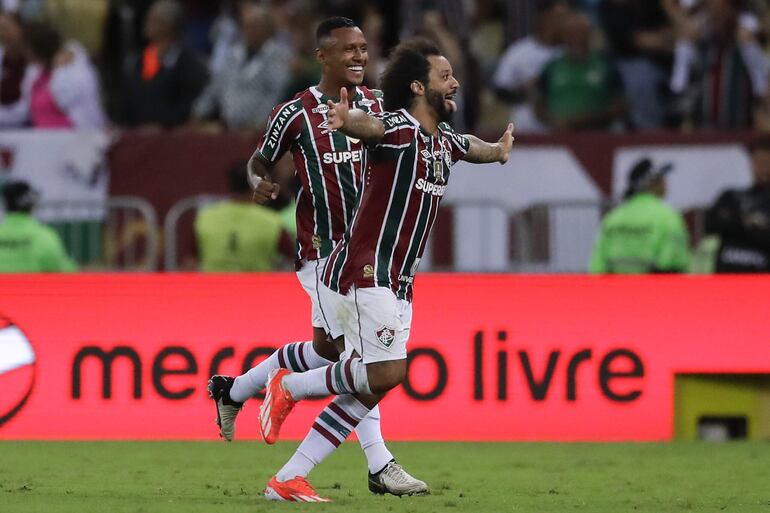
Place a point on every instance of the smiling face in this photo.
(344, 56)
(442, 87)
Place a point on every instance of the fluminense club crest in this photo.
(386, 336)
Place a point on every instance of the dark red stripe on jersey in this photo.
(343, 414)
(332, 440)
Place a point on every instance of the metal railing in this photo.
(171, 226)
(482, 236)
(118, 234)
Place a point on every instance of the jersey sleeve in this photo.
(460, 144)
(399, 132)
(283, 127)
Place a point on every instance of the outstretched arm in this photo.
(354, 122)
(482, 152)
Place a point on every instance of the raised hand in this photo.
(506, 143)
(338, 112)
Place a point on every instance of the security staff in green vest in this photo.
(642, 234)
(26, 245)
(236, 235)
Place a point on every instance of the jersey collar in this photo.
(322, 98)
(414, 121)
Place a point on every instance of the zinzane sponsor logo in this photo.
(395, 120)
(283, 116)
(430, 187)
(342, 157)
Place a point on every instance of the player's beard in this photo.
(436, 100)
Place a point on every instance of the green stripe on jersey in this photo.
(422, 224)
(347, 179)
(399, 195)
(317, 184)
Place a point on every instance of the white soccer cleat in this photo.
(227, 409)
(395, 480)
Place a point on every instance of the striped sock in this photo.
(297, 357)
(345, 377)
(330, 429)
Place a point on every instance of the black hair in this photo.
(44, 41)
(326, 26)
(18, 196)
(408, 62)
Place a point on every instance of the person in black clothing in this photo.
(160, 85)
(741, 219)
(640, 39)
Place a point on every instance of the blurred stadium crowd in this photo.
(651, 64)
(187, 67)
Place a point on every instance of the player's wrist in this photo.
(254, 180)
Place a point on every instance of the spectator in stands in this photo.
(642, 234)
(580, 90)
(65, 90)
(27, 246)
(741, 220)
(641, 42)
(160, 86)
(15, 74)
(515, 79)
(252, 78)
(719, 68)
(238, 236)
(305, 70)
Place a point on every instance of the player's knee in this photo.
(324, 347)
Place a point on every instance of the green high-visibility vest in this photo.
(237, 237)
(641, 235)
(28, 246)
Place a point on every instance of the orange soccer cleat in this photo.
(277, 405)
(293, 490)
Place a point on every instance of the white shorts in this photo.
(375, 322)
(309, 277)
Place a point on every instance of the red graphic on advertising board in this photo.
(17, 370)
(491, 357)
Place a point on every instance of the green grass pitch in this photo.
(188, 477)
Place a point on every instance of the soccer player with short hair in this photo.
(368, 281)
(329, 166)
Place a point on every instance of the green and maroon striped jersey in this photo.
(406, 176)
(329, 165)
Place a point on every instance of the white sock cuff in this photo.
(360, 377)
